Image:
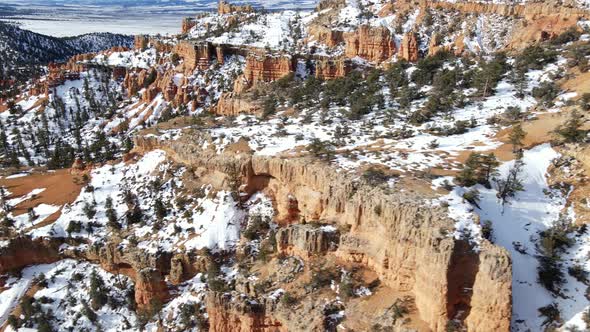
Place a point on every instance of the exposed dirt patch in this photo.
(61, 187)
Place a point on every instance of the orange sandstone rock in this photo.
(374, 44)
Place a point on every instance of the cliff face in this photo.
(233, 312)
(150, 287)
(331, 69)
(267, 68)
(306, 240)
(188, 24)
(326, 36)
(195, 55)
(23, 251)
(399, 236)
(490, 308)
(232, 104)
(372, 43)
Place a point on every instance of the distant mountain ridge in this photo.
(19, 46)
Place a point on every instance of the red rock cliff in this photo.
(374, 44)
(409, 47)
(266, 68)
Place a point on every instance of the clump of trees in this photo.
(571, 131)
(478, 169)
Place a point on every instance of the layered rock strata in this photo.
(375, 44)
(399, 236)
(307, 240)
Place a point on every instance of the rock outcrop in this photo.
(140, 42)
(238, 313)
(490, 308)
(325, 35)
(307, 240)
(267, 68)
(195, 55)
(330, 69)
(225, 7)
(21, 252)
(233, 104)
(409, 47)
(187, 24)
(375, 44)
(150, 288)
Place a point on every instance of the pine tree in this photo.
(516, 138)
(111, 215)
(570, 131)
(512, 184)
(160, 209)
(96, 292)
(478, 169)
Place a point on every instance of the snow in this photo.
(107, 181)
(42, 211)
(16, 201)
(129, 59)
(517, 225)
(16, 176)
(16, 288)
(219, 221)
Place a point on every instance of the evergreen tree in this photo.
(111, 215)
(512, 184)
(97, 294)
(478, 169)
(570, 131)
(516, 138)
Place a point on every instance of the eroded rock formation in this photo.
(225, 7)
(372, 43)
(399, 236)
(21, 252)
(195, 55)
(267, 68)
(237, 313)
(187, 24)
(409, 47)
(331, 69)
(233, 104)
(307, 240)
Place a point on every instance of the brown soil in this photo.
(580, 83)
(539, 131)
(62, 187)
(360, 312)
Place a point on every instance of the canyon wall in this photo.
(375, 44)
(21, 252)
(398, 235)
(195, 55)
(187, 24)
(267, 68)
(232, 104)
(327, 69)
(237, 313)
(409, 47)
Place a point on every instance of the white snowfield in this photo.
(64, 294)
(516, 227)
(130, 59)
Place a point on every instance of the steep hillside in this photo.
(18, 46)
